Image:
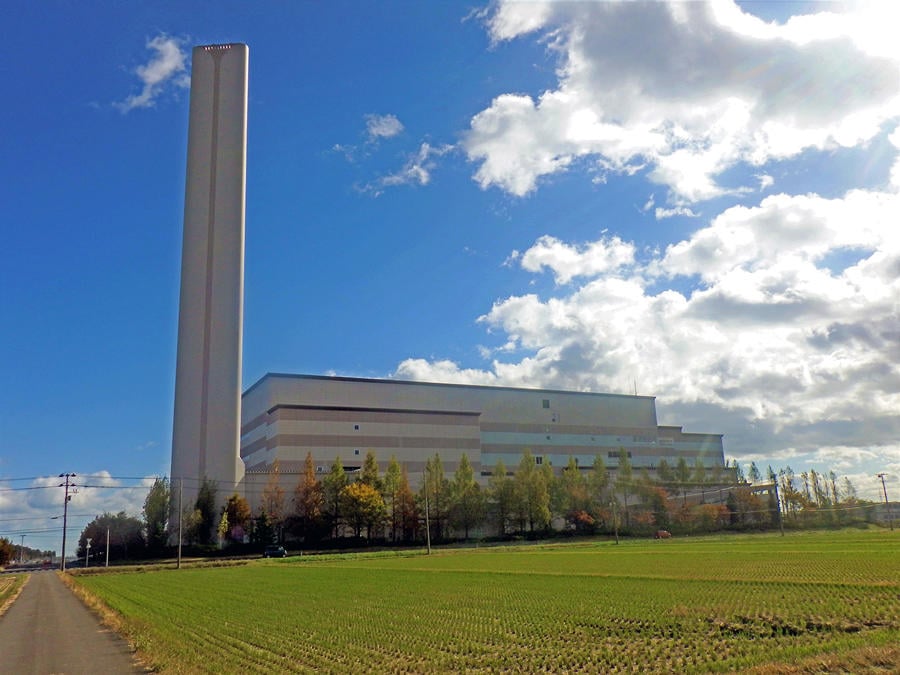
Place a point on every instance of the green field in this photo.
(683, 605)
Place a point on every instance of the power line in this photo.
(76, 515)
(25, 489)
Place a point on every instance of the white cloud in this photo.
(567, 262)
(382, 126)
(894, 138)
(692, 89)
(442, 371)
(36, 511)
(662, 213)
(167, 67)
(788, 342)
(415, 171)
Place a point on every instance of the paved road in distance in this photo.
(49, 631)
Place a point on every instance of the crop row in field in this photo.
(636, 608)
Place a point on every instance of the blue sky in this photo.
(699, 200)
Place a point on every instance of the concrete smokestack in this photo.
(206, 430)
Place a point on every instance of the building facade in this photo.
(285, 417)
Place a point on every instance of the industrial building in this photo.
(285, 417)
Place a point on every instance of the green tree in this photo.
(501, 496)
(755, 474)
(205, 516)
(738, 472)
(574, 497)
(683, 476)
(156, 516)
(407, 510)
(390, 487)
(699, 475)
(849, 490)
(746, 508)
(335, 481)
(126, 539)
(223, 529)
(664, 471)
(532, 494)
(273, 496)
(598, 485)
(624, 481)
(309, 502)
(7, 551)
(239, 516)
(264, 532)
(369, 472)
(467, 502)
(362, 506)
(658, 504)
(791, 497)
(437, 489)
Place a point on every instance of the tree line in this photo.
(529, 500)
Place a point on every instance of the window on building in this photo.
(539, 460)
(356, 427)
(356, 452)
(546, 403)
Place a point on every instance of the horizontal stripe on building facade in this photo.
(576, 429)
(253, 435)
(323, 466)
(358, 415)
(250, 448)
(351, 455)
(380, 429)
(566, 450)
(258, 421)
(426, 444)
(562, 439)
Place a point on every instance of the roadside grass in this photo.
(713, 604)
(10, 587)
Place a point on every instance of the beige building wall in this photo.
(287, 416)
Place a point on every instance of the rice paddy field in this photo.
(719, 604)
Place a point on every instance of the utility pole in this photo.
(107, 547)
(87, 552)
(886, 502)
(427, 524)
(180, 516)
(22, 550)
(615, 520)
(67, 485)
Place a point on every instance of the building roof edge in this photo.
(342, 378)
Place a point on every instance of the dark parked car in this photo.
(274, 552)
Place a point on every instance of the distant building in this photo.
(285, 417)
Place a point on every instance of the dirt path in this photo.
(48, 631)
